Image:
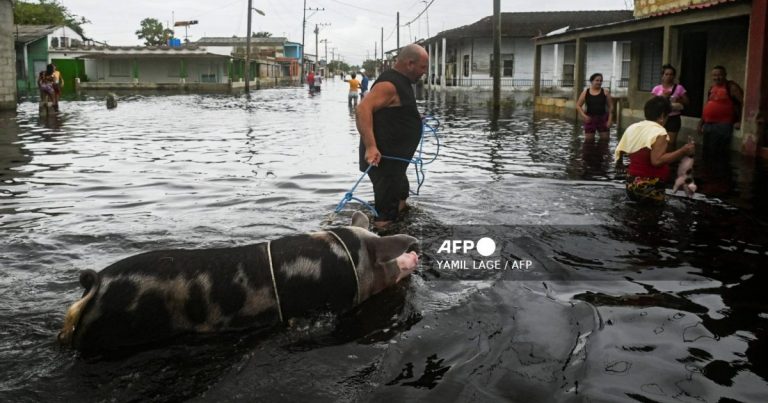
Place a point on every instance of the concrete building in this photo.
(7, 58)
(694, 36)
(462, 57)
(187, 67)
(273, 58)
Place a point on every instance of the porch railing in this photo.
(514, 83)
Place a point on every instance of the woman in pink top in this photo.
(677, 96)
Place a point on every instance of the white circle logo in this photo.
(486, 246)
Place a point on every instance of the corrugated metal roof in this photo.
(533, 24)
(239, 41)
(29, 33)
(144, 51)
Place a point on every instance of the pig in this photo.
(684, 179)
(158, 295)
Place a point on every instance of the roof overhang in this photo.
(620, 29)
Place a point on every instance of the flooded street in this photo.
(625, 304)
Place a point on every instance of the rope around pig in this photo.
(429, 123)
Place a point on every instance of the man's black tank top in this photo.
(397, 129)
(596, 103)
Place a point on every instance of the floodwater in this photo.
(634, 305)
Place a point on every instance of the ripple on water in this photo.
(646, 304)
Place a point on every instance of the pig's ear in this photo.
(360, 220)
(390, 247)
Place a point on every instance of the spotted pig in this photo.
(157, 295)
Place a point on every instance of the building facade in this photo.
(692, 35)
(462, 57)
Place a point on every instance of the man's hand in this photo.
(372, 156)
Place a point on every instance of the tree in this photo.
(153, 33)
(370, 66)
(337, 65)
(47, 12)
(261, 34)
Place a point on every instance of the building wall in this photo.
(37, 59)
(7, 58)
(600, 58)
(158, 70)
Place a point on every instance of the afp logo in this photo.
(484, 246)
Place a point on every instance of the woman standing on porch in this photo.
(597, 118)
(676, 95)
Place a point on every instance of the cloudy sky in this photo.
(355, 26)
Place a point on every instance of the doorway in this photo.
(693, 74)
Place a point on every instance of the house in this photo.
(209, 64)
(462, 57)
(270, 58)
(692, 35)
(36, 46)
(153, 67)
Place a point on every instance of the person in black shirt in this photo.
(597, 117)
(390, 124)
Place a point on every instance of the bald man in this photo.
(390, 124)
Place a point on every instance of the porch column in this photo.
(182, 71)
(555, 71)
(755, 109)
(536, 71)
(472, 61)
(135, 71)
(578, 70)
(442, 70)
(669, 46)
(437, 65)
(429, 66)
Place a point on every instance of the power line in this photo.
(362, 8)
(422, 12)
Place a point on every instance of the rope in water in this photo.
(429, 123)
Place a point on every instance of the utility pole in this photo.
(325, 41)
(303, 28)
(496, 23)
(247, 70)
(317, 47)
(248, 51)
(382, 48)
(303, 33)
(398, 32)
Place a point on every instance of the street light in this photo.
(248, 47)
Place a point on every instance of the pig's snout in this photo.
(407, 263)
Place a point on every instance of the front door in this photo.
(693, 74)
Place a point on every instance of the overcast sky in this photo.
(355, 26)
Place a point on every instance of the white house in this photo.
(462, 57)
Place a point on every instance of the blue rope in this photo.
(430, 123)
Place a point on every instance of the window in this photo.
(64, 42)
(650, 65)
(507, 65)
(466, 66)
(625, 59)
(569, 65)
(119, 68)
(54, 42)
